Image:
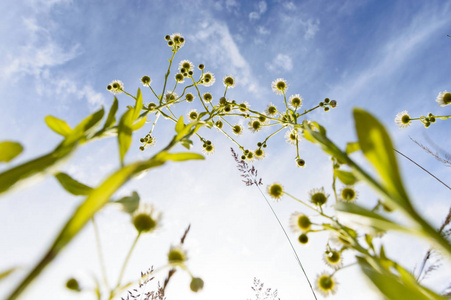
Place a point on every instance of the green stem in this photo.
(289, 241)
(121, 274)
(99, 252)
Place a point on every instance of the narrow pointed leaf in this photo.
(57, 125)
(182, 156)
(9, 150)
(138, 105)
(139, 124)
(111, 119)
(72, 186)
(179, 125)
(125, 133)
(93, 203)
(378, 149)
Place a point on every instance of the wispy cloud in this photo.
(39, 53)
(393, 53)
(224, 52)
(280, 62)
(261, 9)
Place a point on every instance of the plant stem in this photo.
(289, 241)
(125, 265)
(99, 252)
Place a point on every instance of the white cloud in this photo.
(39, 53)
(224, 52)
(262, 30)
(261, 9)
(280, 62)
(312, 27)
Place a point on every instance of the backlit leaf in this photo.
(71, 185)
(57, 125)
(9, 150)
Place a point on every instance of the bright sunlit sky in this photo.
(57, 56)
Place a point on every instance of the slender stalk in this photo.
(121, 274)
(289, 241)
(99, 252)
(412, 161)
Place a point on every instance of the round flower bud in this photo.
(72, 284)
(196, 284)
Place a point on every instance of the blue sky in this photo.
(56, 57)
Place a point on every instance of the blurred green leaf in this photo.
(182, 156)
(129, 203)
(125, 133)
(346, 177)
(84, 128)
(369, 218)
(392, 287)
(352, 147)
(57, 125)
(179, 125)
(111, 119)
(138, 105)
(187, 144)
(33, 167)
(72, 186)
(9, 150)
(96, 199)
(140, 123)
(378, 149)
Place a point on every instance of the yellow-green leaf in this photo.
(352, 147)
(345, 177)
(378, 149)
(369, 218)
(71, 185)
(125, 133)
(138, 105)
(57, 125)
(111, 119)
(392, 286)
(179, 125)
(182, 156)
(96, 199)
(9, 150)
(140, 123)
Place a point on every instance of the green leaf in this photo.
(346, 177)
(94, 202)
(84, 128)
(182, 156)
(111, 119)
(129, 203)
(9, 150)
(180, 125)
(352, 147)
(366, 217)
(392, 287)
(57, 125)
(125, 133)
(8, 272)
(33, 167)
(138, 105)
(378, 149)
(140, 123)
(187, 143)
(71, 185)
